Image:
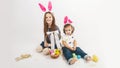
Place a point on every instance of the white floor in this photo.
(21, 32)
(39, 60)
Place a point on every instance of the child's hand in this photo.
(47, 45)
(71, 48)
(74, 48)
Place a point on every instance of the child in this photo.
(51, 31)
(49, 25)
(70, 46)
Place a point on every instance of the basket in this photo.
(55, 54)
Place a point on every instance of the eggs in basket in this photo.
(55, 53)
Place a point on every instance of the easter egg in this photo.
(78, 56)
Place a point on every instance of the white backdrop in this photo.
(96, 25)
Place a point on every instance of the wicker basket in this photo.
(54, 55)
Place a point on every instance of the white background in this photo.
(96, 25)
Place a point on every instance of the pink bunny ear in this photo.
(49, 6)
(69, 21)
(65, 19)
(42, 7)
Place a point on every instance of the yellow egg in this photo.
(95, 58)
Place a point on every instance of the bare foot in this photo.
(88, 59)
(39, 49)
(46, 51)
(73, 61)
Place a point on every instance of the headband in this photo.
(67, 20)
(43, 7)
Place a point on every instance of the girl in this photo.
(49, 26)
(70, 46)
(51, 31)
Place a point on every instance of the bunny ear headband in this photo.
(67, 20)
(43, 8)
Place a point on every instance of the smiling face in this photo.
(49, 22)
(68, 30)
(49, 19)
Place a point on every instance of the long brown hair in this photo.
(53, 25)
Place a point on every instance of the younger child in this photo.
(70, 46)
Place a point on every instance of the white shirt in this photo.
(69, 39)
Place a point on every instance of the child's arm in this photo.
(75, 44)
(66, 45)
(45, 44)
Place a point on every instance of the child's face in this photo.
(68, 30)
(49, 19)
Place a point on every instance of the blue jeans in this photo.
(42, 44)
(68, 53)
